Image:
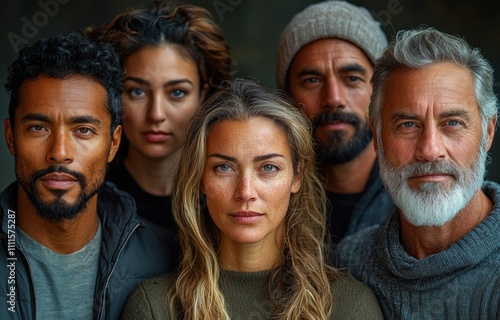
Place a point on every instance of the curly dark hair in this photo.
(63, 55)
(189, 28)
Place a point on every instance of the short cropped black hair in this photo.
(63, 55)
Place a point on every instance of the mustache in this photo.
(435, 167)
(59, 169)
(330, 116)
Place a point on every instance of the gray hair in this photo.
(419, 48)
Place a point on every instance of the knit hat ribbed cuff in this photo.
(329, 19)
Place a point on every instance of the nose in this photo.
(430, 146)
(245, 190)
(333, 94)
(157, 108)
(60, 149)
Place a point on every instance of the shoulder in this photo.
(355, 246)
(159, 284)
(149, 300)
(354, 300)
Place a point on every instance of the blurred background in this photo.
(252, 28)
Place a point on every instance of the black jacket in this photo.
(131, 251)
(374, 205)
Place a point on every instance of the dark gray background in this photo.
(252, 29)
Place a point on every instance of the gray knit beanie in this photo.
(329, 19)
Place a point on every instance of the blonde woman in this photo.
(250, 210)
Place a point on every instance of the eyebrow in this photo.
(76, 119)
(148, 84)
(307, 72)
(255, 159)
(404, 115)
(352, 67)
(446, 114)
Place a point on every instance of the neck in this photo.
(423, 241)
(249, 257)
(153, 175)
(63, 237)
(352, 176)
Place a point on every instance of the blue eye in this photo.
(311, 80)
(223, 167)
(407, 124)
(269, 167)
(136, 92)
(178, 93)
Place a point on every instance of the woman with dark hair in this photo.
(251, 215)
(174, 57)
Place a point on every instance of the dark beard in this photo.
(59, 209)
(339, 149)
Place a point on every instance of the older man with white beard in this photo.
(433, 115)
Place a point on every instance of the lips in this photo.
(156, 136)
(432, 176)
(58, 180)
(335, 125)
(246, 217)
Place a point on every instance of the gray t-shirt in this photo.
(64, 283)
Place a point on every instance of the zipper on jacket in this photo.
(103, 297)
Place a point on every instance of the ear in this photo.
(203, 92)
(115, 143)
(295, 184)
(490, 132)
(9, 136)
(296, 179)
(374, 134)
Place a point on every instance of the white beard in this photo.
(432, 204)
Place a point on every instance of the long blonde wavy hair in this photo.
(300, 286)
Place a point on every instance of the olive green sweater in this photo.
(247, 297)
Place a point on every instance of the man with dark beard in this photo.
(72, 246)
(433, 114)
(325, 62)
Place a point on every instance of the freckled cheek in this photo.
(218, 200)
(277, 195)
(214, 189)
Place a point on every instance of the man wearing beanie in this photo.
(325, 62)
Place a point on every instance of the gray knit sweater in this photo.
(247, 297)
(461, 282)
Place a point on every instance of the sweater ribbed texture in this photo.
(459, 283)
(247, 297)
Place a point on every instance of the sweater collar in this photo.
(470, 250)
